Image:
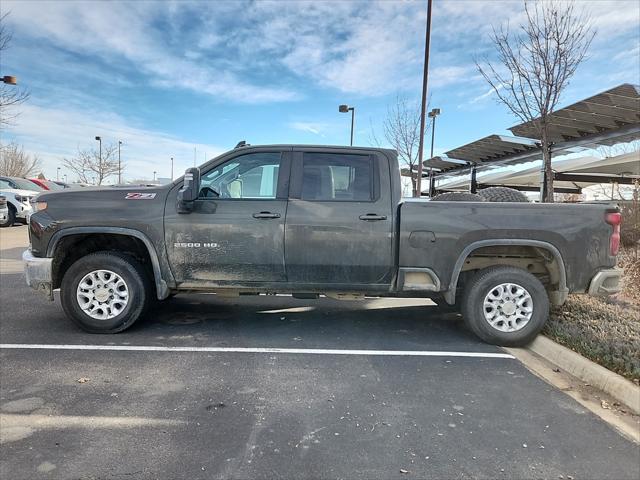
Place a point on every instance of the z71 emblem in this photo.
(140, 196)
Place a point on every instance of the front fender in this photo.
(162, 288)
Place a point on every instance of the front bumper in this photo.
(24, 212)
(39, 273)
(606, 282)
(4, 214)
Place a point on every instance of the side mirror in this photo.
(189, 191)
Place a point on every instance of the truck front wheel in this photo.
(505, 306)
(105, 292)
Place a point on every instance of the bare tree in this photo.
(10, 95)
(14, 162)
(536, 64)
(402, 131)
(90, 168)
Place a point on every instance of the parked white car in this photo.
(19, 192)
(4, 210)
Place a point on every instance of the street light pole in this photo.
(347, 109)
(172, 169)
(154, 175)
(119, 164)
(425, 78)
(99, 139)
(432, 115)
(58, 174)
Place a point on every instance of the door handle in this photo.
(266, 215)
(371, 217)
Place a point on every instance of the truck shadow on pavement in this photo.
(285, 321)
(260, 321)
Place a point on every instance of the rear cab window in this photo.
(338, 177)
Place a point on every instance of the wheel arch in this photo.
(162, 289)
(556, 296)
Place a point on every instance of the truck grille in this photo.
(3, 201)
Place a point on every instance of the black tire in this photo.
(11, 218)
(486, 280)
(502, 194)
(133, 274)
(457, 197)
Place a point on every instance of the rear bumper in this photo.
(606, 282)
(38, 273)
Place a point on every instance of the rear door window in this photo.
(337, 177)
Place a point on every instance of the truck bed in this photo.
(433, 233)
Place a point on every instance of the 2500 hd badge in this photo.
(195, 245)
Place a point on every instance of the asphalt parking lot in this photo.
(75, 405)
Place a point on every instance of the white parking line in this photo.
(304, 351)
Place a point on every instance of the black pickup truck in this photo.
(310, 221)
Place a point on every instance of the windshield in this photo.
(24, 184)
(53, 185)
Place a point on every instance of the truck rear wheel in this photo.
(105, 292)
(505, 306)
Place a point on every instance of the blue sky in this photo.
(168, 77)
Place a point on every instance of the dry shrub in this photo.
(606, 332)
(630, 228)
(630, 262)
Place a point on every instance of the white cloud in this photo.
(251, 51)
(53, 134)
(309, 127)
(123, 33)
(361, 48)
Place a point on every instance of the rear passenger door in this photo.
(339, 224)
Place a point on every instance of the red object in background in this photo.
(614, 219)
(47, 184)
(40, 183)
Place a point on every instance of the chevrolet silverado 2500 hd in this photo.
(311, 220)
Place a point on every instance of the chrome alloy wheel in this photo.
(102, 294)
(508, 307)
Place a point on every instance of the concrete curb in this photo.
(596, 375)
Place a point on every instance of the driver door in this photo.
(235, 234)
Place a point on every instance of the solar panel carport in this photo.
(571, 175)
(491, 148)
(608, 118)
(609, 111)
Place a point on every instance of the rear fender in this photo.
(556, 297)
